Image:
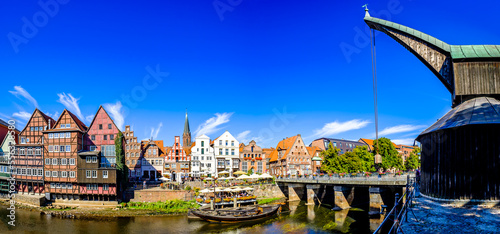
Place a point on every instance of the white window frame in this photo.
(68, 148)
(48, 173)
(40, 172)
(94, 174)
(51, 135)
(88, 159)
(55, 174)
(56, 135)
(93, 148)
(72, 174)
(47, 161)
(94, 159)
(64, 174)
(71, 161)
(68, 135)
(54, 161)
(88, 174)
(104, 174)
(64, 161)
(105, 187)
(70, 186)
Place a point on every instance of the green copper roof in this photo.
(456, 51)
(186, 125)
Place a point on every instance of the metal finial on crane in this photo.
(366, 10)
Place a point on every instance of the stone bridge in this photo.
(344, 192)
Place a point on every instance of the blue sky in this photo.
(263, 70)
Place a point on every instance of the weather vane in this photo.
(365, 6)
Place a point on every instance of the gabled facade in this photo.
(202, 157)
(30, 152)
(290, 157)
(133, 158)
(153, 154)
(252, 158)
(7, 144)
(316, 159)
(97, 161)
(177, 161)
(62, 143)
(226, 149)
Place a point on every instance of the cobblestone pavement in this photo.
(436, 217)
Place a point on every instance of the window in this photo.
(88, 159)
(232, 151)
(28, 171)
(92, 137)
(68, 125)
(108, 150)
(63, 186)
(52, 185)
(63, 125)
(105, 187)
(40, 172)
(92, 148)
(109, 126)
(56, 135)
(47, 161)
(220, 142)
(38, 151)
(23, 140)
(72, 174)
(21, 152)
(54, 174)
(232, 143)
(68, 135)
(104, 174)
(227, 151)
(32, 129)
(94, 174)
(54, 161)
(47, 173)
(71, 161)
(68, 148)
(105, 137)
(51, 135)
(202, 144)
(88, 174)
(226, 142)
(100, 126)
(64, 161)
(62, 148)
(69, 186)
(64, 174)
(202, 151)
(56, 148)
(94, 159)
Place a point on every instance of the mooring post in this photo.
(396, 207)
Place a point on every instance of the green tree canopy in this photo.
(332, 161)
(390, 156)
(367, 158)
(413, 162)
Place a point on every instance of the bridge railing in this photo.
(355, 178)
(398, 217)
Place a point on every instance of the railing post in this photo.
(396, 210)
(407, 195)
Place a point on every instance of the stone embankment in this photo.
(439, 217)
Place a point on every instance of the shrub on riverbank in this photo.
(267, 200)
(170, 206)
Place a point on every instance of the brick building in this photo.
(30, 151)
(177, 160)
(252, 158)
(63, 141)
(132, 154)
(6, 142)
(153, 156)
(97, 163)
(290, 157)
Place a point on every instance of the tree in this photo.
(367, 158)
(352, 162)
(121, 167)
(390, 156)
(413, 162)
(332, 161)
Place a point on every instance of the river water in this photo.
(296, 218)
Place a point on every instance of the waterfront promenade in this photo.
(437, 217)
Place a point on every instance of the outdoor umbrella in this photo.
(224, 172)
(230, 178)
(239, 173)
(265, 175)
(205, 191)
(243, 177)
(254, 176)
(208, 178)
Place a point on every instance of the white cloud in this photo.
(89, 118)
(211, 125)
(71, 104)
(22, 115)
(116, 112)
(338, 127)
(399, 129)
(242, 136)
(54, 116)
(20, 91)
(405, 141)
(155, 132)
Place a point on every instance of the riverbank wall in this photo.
(30, 199)
(158, 194)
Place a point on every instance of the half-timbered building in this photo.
(30, 151)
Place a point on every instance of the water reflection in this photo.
(296, 218)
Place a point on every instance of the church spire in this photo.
(186, 135)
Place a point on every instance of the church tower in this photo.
(186, 135)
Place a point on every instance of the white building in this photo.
(202, 157)
(226, 149)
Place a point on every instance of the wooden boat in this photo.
(233, 215)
